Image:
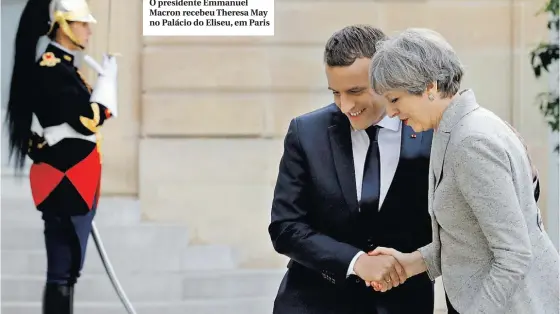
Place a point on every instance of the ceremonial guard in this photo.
(54, 117)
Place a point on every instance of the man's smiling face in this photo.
(353, 94)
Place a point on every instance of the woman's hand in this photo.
(413, 263)
(382, 269)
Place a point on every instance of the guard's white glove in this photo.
(109, 65)
(105, 91)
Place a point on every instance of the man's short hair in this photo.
(351, 43)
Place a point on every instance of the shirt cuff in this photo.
(351, 267)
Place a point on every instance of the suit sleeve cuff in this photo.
(351, 267)
(429, 257)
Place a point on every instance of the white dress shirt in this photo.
(389, 140)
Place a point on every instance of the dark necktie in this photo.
(369, 202)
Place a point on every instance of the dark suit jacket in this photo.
(315, 219)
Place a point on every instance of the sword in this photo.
(111, 105)
(109, 269)
(94, 232)
(116, 54)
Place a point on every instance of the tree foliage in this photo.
(542, 57)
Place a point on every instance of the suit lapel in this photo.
(439, 147)
(437, 154)
(463, 104)
(410, 147)
(341, 147)
(411, 142)
(431, 188)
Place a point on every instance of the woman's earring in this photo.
(431, 97)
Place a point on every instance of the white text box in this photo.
(208, 18)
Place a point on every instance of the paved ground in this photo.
(161, 272)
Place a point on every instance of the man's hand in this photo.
(412, 263)
(382, 269)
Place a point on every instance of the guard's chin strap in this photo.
(79, 46)
(61, 19)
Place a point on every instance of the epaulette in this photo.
(49, 60)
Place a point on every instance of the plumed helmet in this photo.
(63, 11)
(37, 22)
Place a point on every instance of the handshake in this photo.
(385, 268)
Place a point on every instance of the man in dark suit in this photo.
(351, 179)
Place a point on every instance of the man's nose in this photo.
(346, 105)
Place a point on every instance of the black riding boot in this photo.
(58, 299)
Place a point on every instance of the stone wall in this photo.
(202, 120)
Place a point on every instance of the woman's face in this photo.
(413, 110)
(82, 31)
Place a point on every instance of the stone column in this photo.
(119, 29)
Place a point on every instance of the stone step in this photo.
(236, 283)
(155, 287)
(168, 236)
(15, 186)
(112, 211)
(233, 306)
(126, 260)
(252, 305)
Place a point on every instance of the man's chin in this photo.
(357, 126)
(363, 123)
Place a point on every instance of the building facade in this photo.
(202, 119)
